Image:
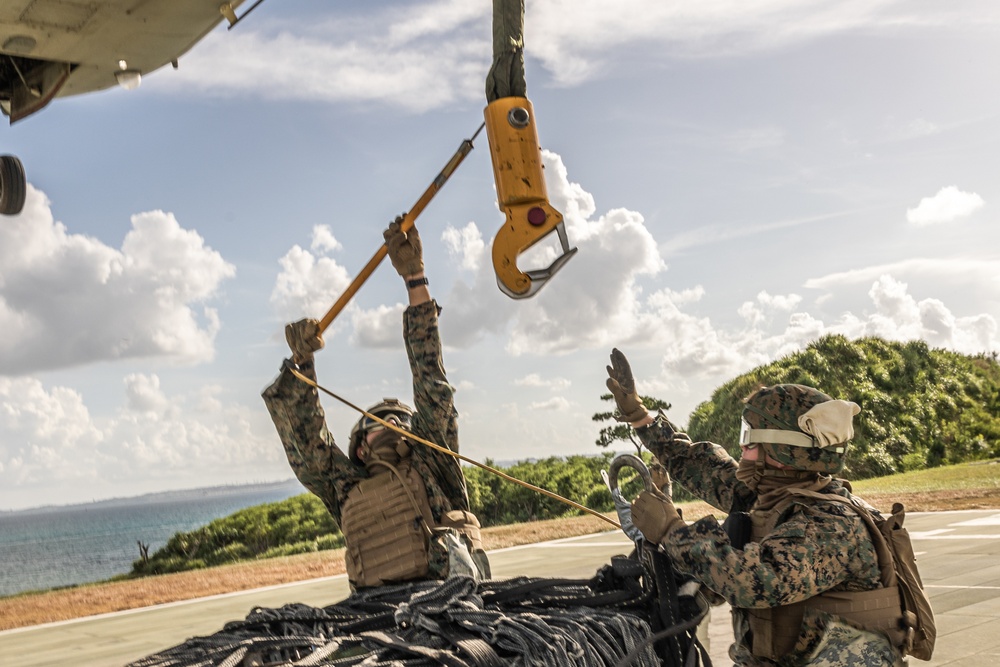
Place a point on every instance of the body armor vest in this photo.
(386, 521)
(390, 531)
(777, 629)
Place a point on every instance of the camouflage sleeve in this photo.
(703, 468)
(433, 397)
(313, 455)
(817, 549)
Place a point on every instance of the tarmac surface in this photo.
(958, 554)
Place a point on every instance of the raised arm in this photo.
(433, 396)
(295, 409)
(703, 468)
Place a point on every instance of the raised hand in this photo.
(405, 250)
(622, 387)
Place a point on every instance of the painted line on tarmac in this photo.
(984, 521)
(164, 605)
(566, 541)
(585, 545)
(930, 535)
(220, 596)
(924, 534)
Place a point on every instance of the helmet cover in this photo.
(383, 409)
(779, 407)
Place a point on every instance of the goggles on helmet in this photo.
(745, 429)
(750, 437)
(369, 425)
(388, 408)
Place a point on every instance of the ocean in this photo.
(51, 547)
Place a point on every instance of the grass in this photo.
(966, 486)
(980, 475)
(957, 487)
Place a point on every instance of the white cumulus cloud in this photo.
(536, 380)
(698, 348)
(466, 244)
(379, 327)
(900, 316)
(309, 283)
(429, 54)
(395, 58)
(969, 269)
(48, 435)
(947, 205)
(598, 301)
(756, 312)
(68, 299)
(595, 300)
(555, 403)
(323, 239)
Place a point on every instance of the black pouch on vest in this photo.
(738, 527)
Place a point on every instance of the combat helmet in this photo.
(782, 420)
(383, 409)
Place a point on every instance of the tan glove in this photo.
(622, 387)
(303, 338)
(655, 515)
(660, 476)
(405, 250)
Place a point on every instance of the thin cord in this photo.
(445, 450)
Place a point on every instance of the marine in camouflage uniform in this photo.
(330, 472)
(814, 547)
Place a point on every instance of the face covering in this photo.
(750, 473)
(388, 447)
(770, 483)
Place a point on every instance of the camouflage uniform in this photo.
(816, 547)
(327, 471)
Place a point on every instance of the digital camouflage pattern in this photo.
(326, 470)
(779, 407)
(816, 546)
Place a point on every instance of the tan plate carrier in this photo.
(387, 523)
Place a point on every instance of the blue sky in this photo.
(740, 178)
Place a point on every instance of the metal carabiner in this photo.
(634, 462)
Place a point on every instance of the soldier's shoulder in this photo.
(818, 511)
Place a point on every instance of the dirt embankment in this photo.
(78, 601)
(88, 600)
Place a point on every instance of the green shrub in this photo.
(920, 406)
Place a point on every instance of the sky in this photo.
(740, 178)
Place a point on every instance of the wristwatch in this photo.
(417, 282)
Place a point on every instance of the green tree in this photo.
(618, 431)
(295, 525)
(920, 407)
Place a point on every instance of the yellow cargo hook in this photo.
(522, 196)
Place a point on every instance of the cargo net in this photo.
(634, 611)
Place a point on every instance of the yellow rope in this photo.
(445, 450)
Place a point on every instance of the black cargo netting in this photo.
(609, 620)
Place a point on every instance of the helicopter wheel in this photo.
(13, 185)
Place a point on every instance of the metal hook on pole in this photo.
(405, 225)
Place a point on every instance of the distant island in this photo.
(289, 486)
